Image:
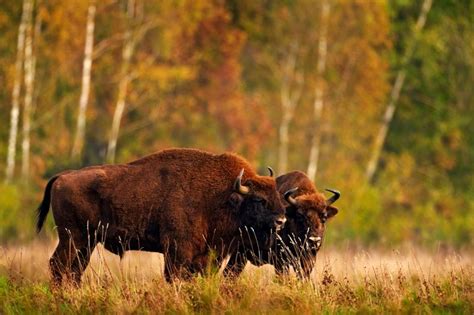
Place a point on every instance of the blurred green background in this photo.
(293, 84)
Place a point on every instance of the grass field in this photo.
(346, 281)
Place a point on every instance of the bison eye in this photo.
(323, 218)
(257, 199)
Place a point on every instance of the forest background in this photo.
(374, 98)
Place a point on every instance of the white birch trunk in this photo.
(395, 94)
(289, 101)
(118, 113)
(283, 131)
(86, 81)
(15, 111)
(129, 45)
(29, 81)
(319, 94)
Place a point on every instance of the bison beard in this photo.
(180, 202)
(299, 241)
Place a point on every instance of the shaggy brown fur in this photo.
(180, 202)
(305, 223)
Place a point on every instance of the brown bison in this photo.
(299, 241)
(180, 202)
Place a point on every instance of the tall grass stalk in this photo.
(409, 281)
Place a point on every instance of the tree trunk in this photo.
(118, 113)
(128, 48)
(15, 111)
(29, 82)
(289, 101)
(86, 81)
(395, 94)
(283, 144)
(319, 94)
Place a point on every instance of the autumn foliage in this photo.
(214, 75)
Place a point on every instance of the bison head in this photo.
(307, 216)
(260, 209)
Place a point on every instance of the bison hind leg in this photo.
(70, 262)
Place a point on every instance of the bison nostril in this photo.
(316, 240)
(280, 222)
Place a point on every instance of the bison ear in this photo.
(235, 200)
(331, 211)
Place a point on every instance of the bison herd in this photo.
(195, 207)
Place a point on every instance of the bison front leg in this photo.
(282, 269)
(181, 262)
(303, 271)
(235, 266)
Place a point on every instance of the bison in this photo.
(183, 203)
(307, 211)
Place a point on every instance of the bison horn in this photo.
(270, 170)
(242, 189)
(336, 196)
(288, 196)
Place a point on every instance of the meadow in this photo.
(372, 98)
(347, 280)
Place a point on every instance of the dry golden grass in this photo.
(345, 281)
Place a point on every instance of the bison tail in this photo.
(43, 208)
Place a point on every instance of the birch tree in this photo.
(29, 86)
(130, 39)
(319, 93)
(289, 97)
(15, 111)
(86, 81)
(395, 93)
